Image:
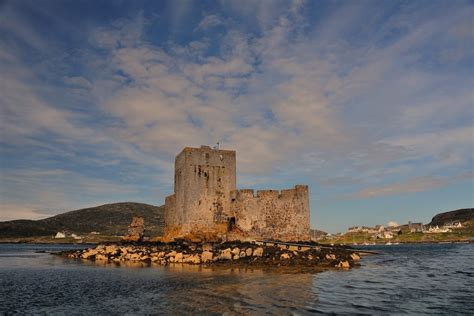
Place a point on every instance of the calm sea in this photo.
(403, 279)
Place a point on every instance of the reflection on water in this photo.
(403, 279)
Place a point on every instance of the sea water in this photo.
(402, 279)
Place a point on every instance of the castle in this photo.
(205, 199)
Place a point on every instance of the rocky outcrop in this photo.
(229, 253)
(135, 230)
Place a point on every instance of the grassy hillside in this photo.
(108, 219)
(461, 215)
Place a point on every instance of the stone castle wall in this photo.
(205, 199)
(204, 178)
(272, 214)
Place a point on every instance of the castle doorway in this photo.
(230, 223)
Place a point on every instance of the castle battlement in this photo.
(277, 194)
(205, 196)
(204, 148)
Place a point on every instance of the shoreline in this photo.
(231, 254)
(54, 242)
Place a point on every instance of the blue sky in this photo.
(370, 103)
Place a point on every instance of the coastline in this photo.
(58, 242)
(231, 253)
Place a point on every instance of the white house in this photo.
(60, 235)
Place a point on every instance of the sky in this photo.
(370, 103)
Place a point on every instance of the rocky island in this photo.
(209, 222)
(236, 253)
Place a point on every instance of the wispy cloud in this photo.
(42, 192)
(418, 184)
(209, 21)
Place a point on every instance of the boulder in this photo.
(331, 256)
(134, 257)
(89, 253)
(355, 257)
(171, 254)
(249, 252)
(258, 252)
(285, 256)
(194, 259)
(206, 256)
(226, 254)
(178, 257)
(101, 257)
(235, 251)
(112, 249)
(343, 264)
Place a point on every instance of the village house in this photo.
(416, 227)
(436, 229)
(453, 225)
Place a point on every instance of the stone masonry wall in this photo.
(204, 178)
(272, 214)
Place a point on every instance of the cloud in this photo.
(339, 181)
(358, 95)
(18, 211)
(446, 148)
(42, 192)
(79, 82)
(419, 184)
(209, 21)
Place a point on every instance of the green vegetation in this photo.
(461, 234)
(107, 221)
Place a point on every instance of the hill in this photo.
(109, 219)
(461, 215)
(317, 234)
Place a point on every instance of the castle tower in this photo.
(203, 180)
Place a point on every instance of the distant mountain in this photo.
(461, 215)
(108, 219)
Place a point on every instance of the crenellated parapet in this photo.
(298, 190)
(272, 213)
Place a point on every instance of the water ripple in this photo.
(404, 279)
